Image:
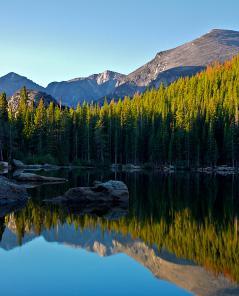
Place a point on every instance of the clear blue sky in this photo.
(50, 40)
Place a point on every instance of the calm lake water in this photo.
(180, 237)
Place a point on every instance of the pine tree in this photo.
(3, 126)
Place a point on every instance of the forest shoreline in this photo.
(220, 169)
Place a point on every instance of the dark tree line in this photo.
(192, 122)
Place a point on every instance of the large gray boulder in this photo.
(4, 164)
(17, 163)
(4, 167)
(12, 196)
(102, 195)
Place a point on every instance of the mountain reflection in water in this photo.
(183, 227)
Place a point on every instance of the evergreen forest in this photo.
(193, 122)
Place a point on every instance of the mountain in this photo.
(185, 60)
(167, 66)
(12, 82)
(90, 88)
(33, 96)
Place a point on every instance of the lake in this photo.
(180, 237)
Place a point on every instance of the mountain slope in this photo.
(33, 96)
(90, 88)
(12, 82)
(167, 66)
(185, 60)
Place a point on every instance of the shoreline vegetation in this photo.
(192, 123)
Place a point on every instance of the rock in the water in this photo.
(12, 196)
(29, 177)
(17, 163)
(111, 193)
(4, 164)
(20, 165)
(107, 198)
(4, 167)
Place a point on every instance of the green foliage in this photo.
(192, 122)
(41, 159)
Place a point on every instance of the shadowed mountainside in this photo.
(12, 82)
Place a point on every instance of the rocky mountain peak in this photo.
(184, 60)
(12, 75)
(167, 66)
(108, 75)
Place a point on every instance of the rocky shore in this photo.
(12, 196)
(222, 170)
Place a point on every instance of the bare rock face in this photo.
(34, 97)
(12, 196)
(110, 199)
(89, 88)
(184, 60)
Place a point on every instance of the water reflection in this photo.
(183, 228)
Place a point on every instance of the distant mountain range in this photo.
(90, 88)
(167, 66)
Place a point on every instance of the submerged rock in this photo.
(12, 196)
(110, 199)
(29, 177)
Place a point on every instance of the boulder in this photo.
(4, 164)
(106, 195)
(17, 163)
(12, 196)
(4, 167)
(29, 177)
